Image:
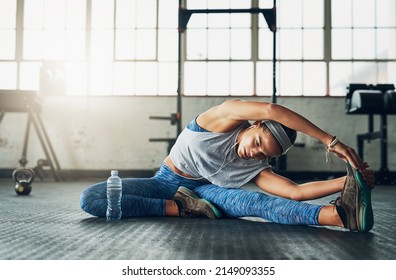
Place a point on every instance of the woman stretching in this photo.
(220, 151)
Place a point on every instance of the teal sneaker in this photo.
(191, 206)
(354, 205)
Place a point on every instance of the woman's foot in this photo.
(191, 206)
(354, 205)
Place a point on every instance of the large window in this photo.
(363, 43)
(129, 47)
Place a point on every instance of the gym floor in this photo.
(48, 224)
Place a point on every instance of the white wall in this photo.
(100, 133)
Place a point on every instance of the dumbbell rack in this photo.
(23, 101)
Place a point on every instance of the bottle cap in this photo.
(114, 172)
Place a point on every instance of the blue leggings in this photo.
(146, 197)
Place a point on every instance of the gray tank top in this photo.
(212, 156)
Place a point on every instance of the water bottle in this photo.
(114, 193)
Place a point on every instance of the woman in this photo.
(220, 151)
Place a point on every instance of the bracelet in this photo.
(331, 145)
(333, 142)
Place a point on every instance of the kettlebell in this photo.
(23, 178)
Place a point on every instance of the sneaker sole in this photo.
(190, 193)
(364, 209)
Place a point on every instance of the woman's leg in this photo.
(241, 203)
(140, 197)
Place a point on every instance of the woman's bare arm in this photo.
(231, 113)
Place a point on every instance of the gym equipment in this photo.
(174, 119)
(367, 99)
(23, 178)
(23, 101)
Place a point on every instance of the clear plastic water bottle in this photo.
(114, 193)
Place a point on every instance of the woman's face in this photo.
(257, 143)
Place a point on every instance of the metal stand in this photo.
(174, 119)
(27, 102)
(384, 176)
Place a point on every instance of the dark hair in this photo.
(291, 133)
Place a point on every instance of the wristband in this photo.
(328, 148)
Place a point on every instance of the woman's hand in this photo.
(368, 176)
(348, 154)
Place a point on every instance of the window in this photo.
(363, 46)
(130, 47)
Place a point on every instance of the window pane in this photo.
(196, 4)
(240, 20)
(75, 45)
(219, 44)
(126, 14)
(102, 13)
(314, 74)
(126, 44)
(101, 78)
(198, 21)
(344, 73)
(197, 44)
(168, 13)
(102, 45)
(340, 77)
(76, 12)
(124, 78)
(76, 83)
(386, 73)
(266, 39)
(341, 13)
(266, 4)
(241, 44)
(54, 44)
(195, 78)
(8, 75)
(363, 13)
(218, 78)
(218, 20)
(33, 13)
(291, 13)
(30, 75)
(167, 80)
(55, 14)
(7, 13)
(241, 78)
(7, 47)
(290, 44)
(363, 43)
(290, 78)
(386, 43)
(146, 78)
(240, 4)
(167, 45)
(313, 13)
(32, 44)
(386, 13)
(341, 43)
(364, 72)
(146, 44)
(219, 4)
(264, 78)
(146, 11)
(313, 43)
